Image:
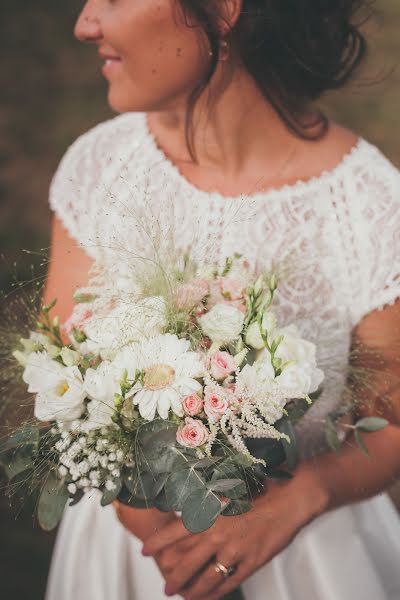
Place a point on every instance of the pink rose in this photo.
(222, 365)
(80, 315)
(215, 404)
(193, 434)
(230, 288)
(188, 295)
(192, 405)
(227, 291)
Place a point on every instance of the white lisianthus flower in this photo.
(70, 357)
(101, 384)
(124, 324)
(222, 324)
(170, 373)
(253, 334)
(301, 353)
(59, 390)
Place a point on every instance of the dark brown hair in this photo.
(294, 49)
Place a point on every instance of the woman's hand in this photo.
(142, 523)
(246, 542)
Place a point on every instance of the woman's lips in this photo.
(110, 64)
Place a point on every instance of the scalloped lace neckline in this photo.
(325, 177)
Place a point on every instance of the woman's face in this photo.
(151, 58)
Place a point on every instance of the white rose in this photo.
(222, 324)
(59, 390)
(253, 334)
(125, 323)
(302, 353)
(295, 379)
(101, 384)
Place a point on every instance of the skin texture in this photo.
(242, 147)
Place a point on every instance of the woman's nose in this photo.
(87, 27)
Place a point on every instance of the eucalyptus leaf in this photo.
(290, 448)
(53, 497)
(157, 451)
(161, 502)
(180, 484)
(370, 424)
(200, 510)
(331, 435)
(226, 471)
(361, 444)
(27, 435)
(16, 461)
(111, 495)
(236, 507)
(224, 485)
(127, 498)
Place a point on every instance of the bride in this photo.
(215, 97)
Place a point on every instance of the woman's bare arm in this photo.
(68, 270)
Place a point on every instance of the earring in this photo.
(223, 51)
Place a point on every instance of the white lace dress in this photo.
(337, 238)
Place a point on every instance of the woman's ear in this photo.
(229, 12)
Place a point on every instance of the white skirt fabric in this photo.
(352, 552)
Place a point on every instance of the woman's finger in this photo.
(170, 534)
(222, 588)
(213, 577)
(188, 567)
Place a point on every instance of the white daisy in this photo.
(170, 373)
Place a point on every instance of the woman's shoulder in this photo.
(86, 170)
(358, 159)
(106, 140)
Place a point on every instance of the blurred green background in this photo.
(51, 91)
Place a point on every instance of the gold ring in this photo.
(225, 571)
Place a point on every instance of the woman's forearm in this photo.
(349, 475)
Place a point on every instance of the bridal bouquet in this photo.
(181, 394)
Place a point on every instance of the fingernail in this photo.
(167, 590)
(144, 552)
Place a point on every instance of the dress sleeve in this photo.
(376, 225)
(79, 191)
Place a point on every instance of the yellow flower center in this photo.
(62, 388)
(158, 377)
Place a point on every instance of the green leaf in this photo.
(331, 435)
(157, 447)
(200, 510)
(53, 498)
(224, 485)
(279, 475)
(26, 435)
(161, 502)
(111, 495)
(125, 497)
(140, 485)
(236, 507)
(291, 452)
(16, 461)
(226, 471)
(369, 424)
(180, 484)
(361, 444)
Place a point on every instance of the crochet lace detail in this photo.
(334, 239)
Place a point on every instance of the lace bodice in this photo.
(335, 239)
